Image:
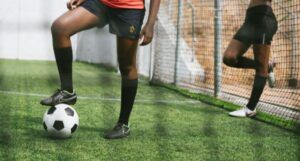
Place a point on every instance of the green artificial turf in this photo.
(165, 125)
(282, 122)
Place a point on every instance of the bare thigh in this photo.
(71, 23)
(235, 49)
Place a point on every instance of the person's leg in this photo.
(126, 49)
(261, 57)
(126, 25)
(261, 54)
(233, 55)
(62, 29)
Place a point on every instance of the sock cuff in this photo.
(63, 54)
(129, 82)
(260, 77)
(62, 49)
(260, 80)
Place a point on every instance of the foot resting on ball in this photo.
(60, 96)
(243, 112)
(119, 131)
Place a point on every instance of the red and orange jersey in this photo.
(128, 4)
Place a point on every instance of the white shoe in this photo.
(243, 112)
(271, 75)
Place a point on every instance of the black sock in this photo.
(258, 87)
(64, 59)
(128, 93)
(244, 62)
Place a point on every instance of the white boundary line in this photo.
(103, 98)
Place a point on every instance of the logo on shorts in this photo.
(131, 29)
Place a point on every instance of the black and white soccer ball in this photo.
(60, 121)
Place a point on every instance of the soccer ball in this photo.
(60, 121)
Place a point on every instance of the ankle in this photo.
(69, 91)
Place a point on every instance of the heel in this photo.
(72, 102)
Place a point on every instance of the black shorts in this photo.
(259, 27)
(122, 22)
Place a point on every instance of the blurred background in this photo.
(25, 34)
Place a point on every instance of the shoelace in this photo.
(56, 92)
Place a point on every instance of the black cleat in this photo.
(60, 96)
(118, 132)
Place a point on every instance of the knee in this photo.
(58, 28)
(128, 71)
(262, 69)
(229, 60)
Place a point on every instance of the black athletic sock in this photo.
(128, 93)
(258, 87)
(64, 59)
(244, 62)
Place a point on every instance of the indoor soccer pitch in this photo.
(165, 125)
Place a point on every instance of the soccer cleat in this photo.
(118, 132)
(271, 75)
(243, 112)
(60, 96)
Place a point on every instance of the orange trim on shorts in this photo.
(128, 4)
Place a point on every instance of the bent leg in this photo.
(62, 29)
(126, 49)
(69, 24)
(233, 55)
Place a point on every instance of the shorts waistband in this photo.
(260, 9)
